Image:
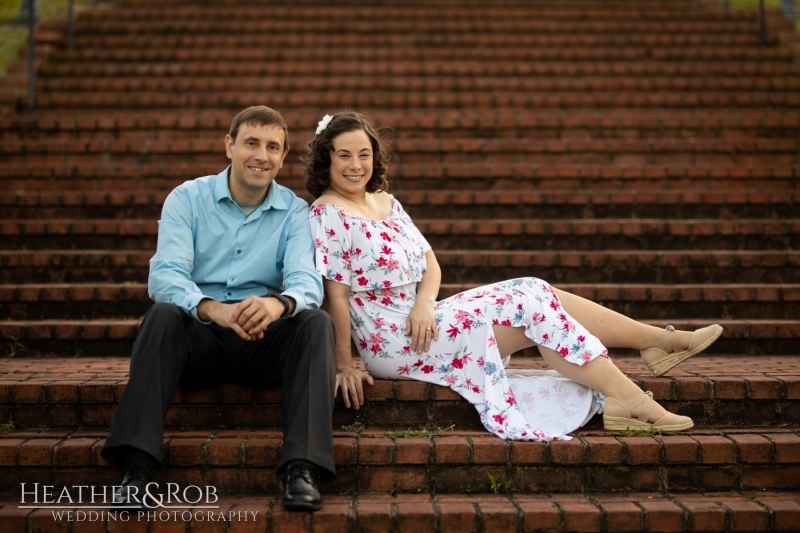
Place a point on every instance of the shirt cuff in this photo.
(191, 303)
(299, 302)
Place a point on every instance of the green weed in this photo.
(14, 347)
(7, 428)
(356, 427)
(496, 487)
(424, 433)
(652, 432)
(749, 495)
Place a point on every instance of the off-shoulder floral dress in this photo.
(383, 260)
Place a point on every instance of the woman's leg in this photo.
(614, 329)
(600, 374)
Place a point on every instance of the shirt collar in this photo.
(274, 198)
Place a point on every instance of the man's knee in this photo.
(315, 327)
(164, 310)
(314, 320)
(163, 317)
(162, 313)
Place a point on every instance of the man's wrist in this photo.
(204, 309)
(287, 302)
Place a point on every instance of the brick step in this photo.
(671, 267)
(685, 5)
(556, 203)
(603, 234)
(415, 123)
(450, 513)
(742, 301)
(115, 336)
(465, 67)
(416, 52)
(753, 151)
(13, 81)
(723, 391)
(457, 234)
(460, 266)
(243, 462)
(300, 133)
(538, 22)
(321, 14)
(419, 83)
(485, 204)
(636, 174)
(433, 99)
(196, 42)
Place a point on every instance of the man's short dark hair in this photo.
(259, 115)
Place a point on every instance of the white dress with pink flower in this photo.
(383, 260)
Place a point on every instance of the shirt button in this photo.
(238, 251)
(229, 294)
(233, 278)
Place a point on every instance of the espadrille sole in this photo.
(674, 359)
(615, 423)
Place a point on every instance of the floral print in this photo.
(383, 260)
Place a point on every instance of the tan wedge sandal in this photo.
(617, 416)
(668, 353)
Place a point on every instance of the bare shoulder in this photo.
(324, 199)
(383, 199)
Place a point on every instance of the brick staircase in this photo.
(643, 155)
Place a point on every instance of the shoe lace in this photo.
(304, 470)
(142, 473)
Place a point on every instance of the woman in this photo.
(381, 281)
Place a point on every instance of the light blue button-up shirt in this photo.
(208, 249)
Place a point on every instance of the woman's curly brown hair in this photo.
(318, 158)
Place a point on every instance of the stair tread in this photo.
(713, 512)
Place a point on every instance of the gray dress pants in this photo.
(172, 348)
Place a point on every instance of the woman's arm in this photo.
(421, 322)
(350, 378)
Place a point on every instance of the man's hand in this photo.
(255, 314)
(221, 315)
(248, 318)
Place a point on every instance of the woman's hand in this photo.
(349, 380)
(421, 325)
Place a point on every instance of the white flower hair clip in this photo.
(323, 123)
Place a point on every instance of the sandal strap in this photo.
(647, 408)
(670, 342)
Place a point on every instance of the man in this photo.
(237, 300)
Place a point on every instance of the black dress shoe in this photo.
(133, 486)
(300, 493)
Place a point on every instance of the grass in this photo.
(13, 37)
(753, 4)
